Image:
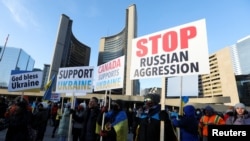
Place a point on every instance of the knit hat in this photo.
(240, 105)
(209, 108)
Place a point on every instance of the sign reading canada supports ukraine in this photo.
(75, 79)
(25, 81)
(110, 75)
(177, 51)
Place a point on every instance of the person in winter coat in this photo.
(188, 124)
(63, 127)
(19, 117)
(240, 116)
(77, 122)
(89, 121)
(57, 120)
(40, 119)
(150, 121)
(209, 118)
(115, 123)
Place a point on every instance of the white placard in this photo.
(75, 80)
(110, 75)
(177, 51)
(25, 81)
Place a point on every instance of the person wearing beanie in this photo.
(209, 118)
(240, 116)
(188, 124)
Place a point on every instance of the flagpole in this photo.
(103, 116)
(163, 92)
(22, 96)
(70, 118)
(109, 100)
(181, 107)
(4, 46)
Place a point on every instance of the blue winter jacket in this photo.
(188, 124)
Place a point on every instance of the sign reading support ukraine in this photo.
(110, 75)
(25, 81)
(75, 80)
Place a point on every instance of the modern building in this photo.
(69, 52)
(120, 44)
(45, 78)
(229, 73)
(241, 52)
(13, 59)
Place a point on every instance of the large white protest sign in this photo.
(110, 75)
(177, 51)
(75, 80)
(25, 81)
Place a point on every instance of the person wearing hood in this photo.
(149, 127)
(240, 116)
(209, 118)
(64, 123)
(188, 124)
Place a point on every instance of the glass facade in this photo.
(13, 59)
(243, 87)
(114, 47)
(243, 49)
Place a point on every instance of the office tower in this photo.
(221, 81)
(241, 52)
(114, 46)
(13, 59)
(229, 73)
(45, 78)
(69, 52)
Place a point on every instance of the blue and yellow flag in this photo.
(48, 88)
(184, 100)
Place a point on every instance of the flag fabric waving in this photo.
(48, 88)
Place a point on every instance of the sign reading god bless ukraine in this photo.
(25, 81)
(75, 79)
(177, 51)
(110, 75)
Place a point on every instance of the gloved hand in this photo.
(103, 133)
(163, 115)
(104, 109)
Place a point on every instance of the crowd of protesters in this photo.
(111, 120)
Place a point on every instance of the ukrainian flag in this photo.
(184, 100)
(48, 88)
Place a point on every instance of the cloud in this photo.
(18, 11)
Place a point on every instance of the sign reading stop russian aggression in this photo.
(25, 81)
(110, 75)
(75, 80)
(177, 51)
